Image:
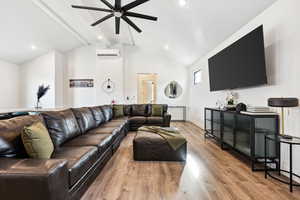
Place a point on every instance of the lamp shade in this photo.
(283, 102)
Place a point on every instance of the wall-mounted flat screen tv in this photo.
(240, 65)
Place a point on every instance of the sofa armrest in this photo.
(33, 179)
(167, 120)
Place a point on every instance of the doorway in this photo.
(147, 84)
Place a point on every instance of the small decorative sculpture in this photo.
(42, 91)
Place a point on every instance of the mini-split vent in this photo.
(108, 52)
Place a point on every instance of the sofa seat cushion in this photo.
(138, 120)
(85, 119)
(80, 160)
(62, 126)
(155, 120)
(116, 124)
(98, 115)
(122, 119)
(105, 130)
(102, 141)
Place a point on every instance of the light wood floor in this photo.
(209, 173)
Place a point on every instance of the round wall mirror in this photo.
(173, 90)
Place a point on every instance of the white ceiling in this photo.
(189, 31)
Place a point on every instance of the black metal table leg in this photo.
(266, 157)
(279, 159)
(291, 168)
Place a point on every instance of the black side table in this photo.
(268, 170)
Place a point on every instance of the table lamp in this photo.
(283, 103)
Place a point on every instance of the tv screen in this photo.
(242, 64)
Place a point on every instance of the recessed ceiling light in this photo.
(182, 3)
(100, 37)
(33, 47)
(166, 47)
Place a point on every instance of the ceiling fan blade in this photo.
(132, 14)
(133, 4)
(118, 23)
(126, 19)
(108, 4)
(118, 4)
(102, 19)
(92, 8)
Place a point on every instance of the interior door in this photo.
(147, 88)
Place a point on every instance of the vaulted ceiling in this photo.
(186, 29)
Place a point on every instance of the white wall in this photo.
(282, 41)
(113, 69)
(147, 60)
(60, 70)
(48, 70)
(84, 64)
(9, 85)
(34, 73)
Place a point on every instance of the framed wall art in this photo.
(81, 83)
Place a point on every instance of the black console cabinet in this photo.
(242, 132)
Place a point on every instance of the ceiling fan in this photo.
(119, 12)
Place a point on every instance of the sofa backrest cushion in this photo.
(139, 110)
(6, 149)
(108, 112)
(85, 119)
(127, 110)
(98, 115)
(62, 126)
(11, 130)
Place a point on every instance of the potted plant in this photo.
(230, 99)
(42, 91)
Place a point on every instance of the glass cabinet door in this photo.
(228, 128)
(243, 134)
(216, 121)
(208, 122)
(264, 126)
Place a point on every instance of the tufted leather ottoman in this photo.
(149, 146)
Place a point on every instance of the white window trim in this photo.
(194, 77)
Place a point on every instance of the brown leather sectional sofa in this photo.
(84, 139)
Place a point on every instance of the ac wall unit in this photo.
(108, 52)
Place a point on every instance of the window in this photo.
(197, 77)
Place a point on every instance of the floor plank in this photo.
(209, 173)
